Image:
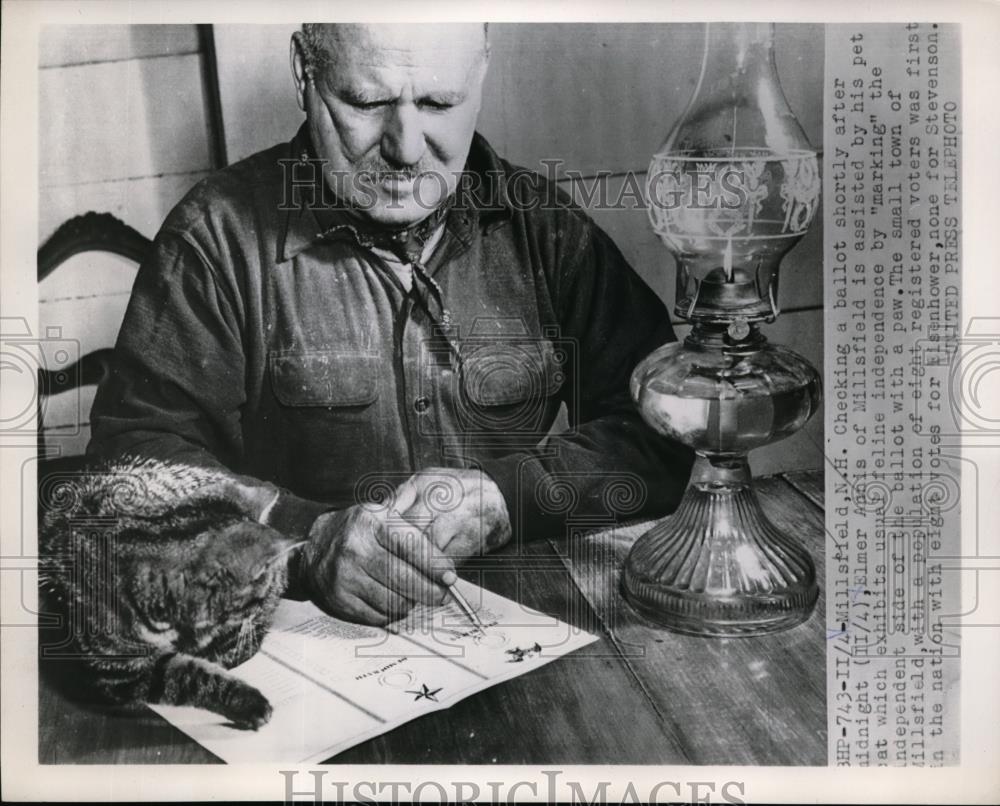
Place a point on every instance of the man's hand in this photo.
(462, 511)
(366, 564)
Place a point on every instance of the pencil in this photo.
(466, 608)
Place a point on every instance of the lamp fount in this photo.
(731, 190)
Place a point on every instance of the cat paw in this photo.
(249, 709)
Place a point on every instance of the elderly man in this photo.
(385, 301)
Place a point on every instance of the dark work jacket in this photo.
(264, 338)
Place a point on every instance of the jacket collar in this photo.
(481, 199)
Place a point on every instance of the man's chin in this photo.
(397, 213)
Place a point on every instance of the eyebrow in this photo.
(356, 96)
(353, 96)
(443, 97)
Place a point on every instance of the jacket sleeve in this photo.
(610, 464)
(177, 388)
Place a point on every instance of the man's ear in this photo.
(297, 58)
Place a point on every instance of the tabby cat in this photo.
(167, 580)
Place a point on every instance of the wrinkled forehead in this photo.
(448, 51)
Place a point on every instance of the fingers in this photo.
(456, 528)
(388, 564)
(356, 609)
(445, 504)
(412, 544)
(411, 566)
(372, 566)
(436, 491)
(387, 602)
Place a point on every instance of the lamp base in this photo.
(718, 566)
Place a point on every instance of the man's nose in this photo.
(403, 137)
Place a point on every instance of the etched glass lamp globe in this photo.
(732, 189)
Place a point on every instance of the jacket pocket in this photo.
(327, 421)
(506, 373)
(324, 377)
(511, 388)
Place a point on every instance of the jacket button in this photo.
(421, 404)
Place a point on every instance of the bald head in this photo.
(323, 44)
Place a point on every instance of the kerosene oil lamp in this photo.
(732, 189)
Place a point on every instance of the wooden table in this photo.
(639, 695)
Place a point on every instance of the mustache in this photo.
(378, 170)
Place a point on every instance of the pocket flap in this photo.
(503, 373)
(324, 377)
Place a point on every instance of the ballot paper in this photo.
(334, 684)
